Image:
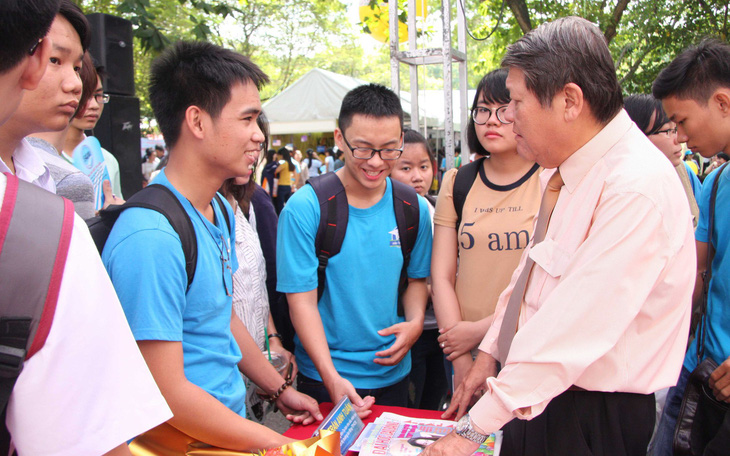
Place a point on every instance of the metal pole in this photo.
(394, 47)
(463, 86)
(412, 46)
(448, 106)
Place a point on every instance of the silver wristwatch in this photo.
(465, 429)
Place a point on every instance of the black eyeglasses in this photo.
(366, 153)
(101, 98)
(481, 115)
(35, 47)
(669, 132)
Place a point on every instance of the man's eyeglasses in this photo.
(669, 132)
(101, 98)
(481, 115)
(35, 47)
(366, 153)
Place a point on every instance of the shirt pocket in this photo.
(551, 257)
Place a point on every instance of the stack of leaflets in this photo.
(397, 435)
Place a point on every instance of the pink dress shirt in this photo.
(607, 307)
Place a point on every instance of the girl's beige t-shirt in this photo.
(496, 226)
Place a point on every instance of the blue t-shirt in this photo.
(361, 291)
(717, 342)
(694, 180)
(146, 263)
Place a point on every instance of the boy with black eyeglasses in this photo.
(353, 341)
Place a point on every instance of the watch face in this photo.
(463, 424)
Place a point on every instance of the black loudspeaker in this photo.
(118, 132)
(111, 47)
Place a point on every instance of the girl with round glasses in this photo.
(648, 114)
(473, 257)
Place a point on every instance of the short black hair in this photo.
(491, 89)
(373, 100)
(22, 24)
(724, 156)
(72, 13)
(196, 73)
(641, 108)
(695, 73)
(411, 136)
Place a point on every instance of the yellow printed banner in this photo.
(165, 440)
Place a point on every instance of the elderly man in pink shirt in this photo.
(596, 316)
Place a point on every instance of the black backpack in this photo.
(334, 213)
(161, 199)
(465, 177)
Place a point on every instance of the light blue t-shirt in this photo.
(146, 263)
(694, 181)
(361, 291)
(717, 342)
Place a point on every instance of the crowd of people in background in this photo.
(546, 290)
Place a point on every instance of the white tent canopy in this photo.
(312, 103)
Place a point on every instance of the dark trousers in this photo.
(395, 395)
(282, 196)
(428, 375)
(585, 423)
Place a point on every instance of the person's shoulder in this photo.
(303, 200)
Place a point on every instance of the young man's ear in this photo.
(194, 120)
(35, 65)
(721, 98)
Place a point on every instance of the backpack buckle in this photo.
(11, 361)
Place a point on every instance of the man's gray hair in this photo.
(570, 49)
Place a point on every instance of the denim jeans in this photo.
(394, 395)
(662, 443)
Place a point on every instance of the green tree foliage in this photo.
(643, 35)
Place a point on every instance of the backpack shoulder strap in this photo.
(465, 177)
(707, 275)
(35, 234)
(405, 204)
(161, 199)
(333, 216)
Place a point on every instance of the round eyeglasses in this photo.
(481, 115)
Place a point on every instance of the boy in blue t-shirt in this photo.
(352, 342)
(206, 101)
(695, 93)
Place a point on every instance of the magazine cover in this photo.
(396, 435)
(88, 158)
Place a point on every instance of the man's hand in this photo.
(451, 445)
(339, 387)
(406, 334)
(460, 339)
(298, 408)
(473, 387)
(109, 197)
(720, 382)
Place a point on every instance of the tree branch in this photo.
(522, 15)
(618, 11)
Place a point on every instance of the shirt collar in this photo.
(575, 167)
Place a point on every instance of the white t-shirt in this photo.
(30, 167)
(88, 389)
